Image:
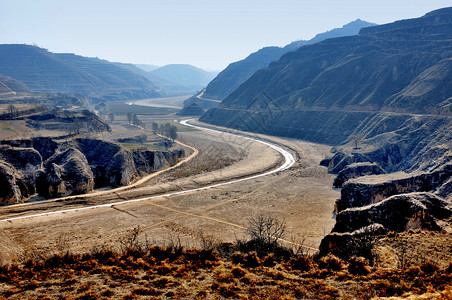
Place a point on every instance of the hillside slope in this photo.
(184, 75)
(44, 71)
(238, 72)
(9, 85)
(383, 99)
(369, 84)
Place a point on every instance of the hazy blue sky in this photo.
(208, 34)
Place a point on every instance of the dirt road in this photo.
(301, 195)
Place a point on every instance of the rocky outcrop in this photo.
(356, 243)
(372, 189)
(10, 191)
(357, 170)
(19, 168)
(21, 158)
(147, 161)
(74, 167)
(111, 164)
(66, 173)
(397, 213)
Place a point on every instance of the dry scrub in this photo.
(206, 162)
(140, 270)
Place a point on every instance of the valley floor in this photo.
(302, 196)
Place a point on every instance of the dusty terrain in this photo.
(301, 195)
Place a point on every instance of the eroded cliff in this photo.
(55, 169)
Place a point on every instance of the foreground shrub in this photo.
(331, 262)
(358, 266)
(301, 263)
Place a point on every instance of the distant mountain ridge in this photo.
(184, 75)
(238, 72)
(44, 71)
(390, 85)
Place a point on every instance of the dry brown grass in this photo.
(207, 162)
(145, 271)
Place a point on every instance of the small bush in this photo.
(358, 266)
(331, 262)
(269, 260)
(429, 267)
(238, 272)
(237, 258)
(251, 260)
(301, 263)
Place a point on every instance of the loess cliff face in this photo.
(55, 169)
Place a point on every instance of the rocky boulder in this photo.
(20, 167)
(357, 243)
(357, 170)
(21, 158)
(397, 213)
(147, 161)
(366, 190)
(9, 192)
(66, 173)
(111, 164)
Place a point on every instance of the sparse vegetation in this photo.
(140, 269)
(210, 161)
(119, 108)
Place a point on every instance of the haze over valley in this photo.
(314, 168)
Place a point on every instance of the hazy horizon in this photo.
(208, 35)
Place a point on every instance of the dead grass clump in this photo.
(30, 285)
(429, 267)
(201, 258)
(225, 277)
(358, 266)
(331, 262)
(166, 268)
(386, 288)
(87, 295)
(251, 260)
(164, 253)
(238, 272)
(146, 291)
(269, 260)
(301, 263)
(237, 258)
(228, 290)
(105, 256)
(163, 282)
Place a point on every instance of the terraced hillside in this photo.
(44, 71)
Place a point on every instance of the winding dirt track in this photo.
(288, 162)
(301, 195)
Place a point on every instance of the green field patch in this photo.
(180, 128)
(150, 146)
(4, 125)
(120, 108)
